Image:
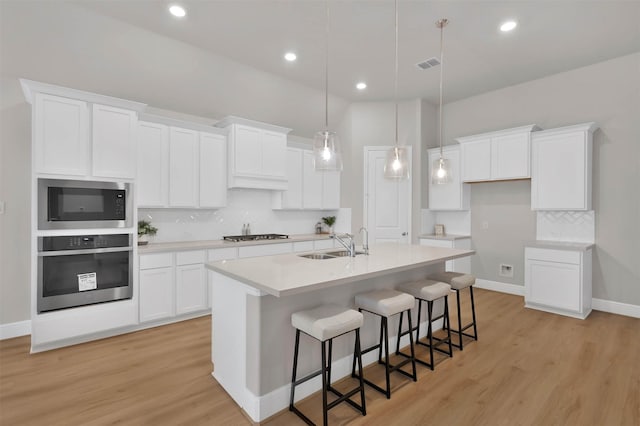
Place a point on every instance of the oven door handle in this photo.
(85, 251)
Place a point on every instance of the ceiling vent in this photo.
(429, 63)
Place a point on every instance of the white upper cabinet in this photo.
(308, 189)
(183, 170)
(114, 142)
(153, 165)
(180, 167)
(81, 134)
(561, 174)
(61, 135)
(213, 170)
(500, 155)
(257, 154)
(453, 195)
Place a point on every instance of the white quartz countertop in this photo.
(214, 244)
(289, 274)
(446, 237)
(560, 245)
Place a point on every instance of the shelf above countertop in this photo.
(217, 244)
(560, 245)
(446, 237)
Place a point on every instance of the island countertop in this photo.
(289, 274)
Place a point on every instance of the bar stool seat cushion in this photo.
(428, 290)
(385, 302)
(457, 280)
(327, 321)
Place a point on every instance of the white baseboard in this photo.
(15, 329)
(612, 307)
(518, 290)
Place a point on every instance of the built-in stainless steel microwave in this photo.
(76, 204)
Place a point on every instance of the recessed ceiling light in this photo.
(290, 56)
(361, 86)
(508, 26)
(177, 11)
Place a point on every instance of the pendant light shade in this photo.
(441, 170)
(326, 152)
(326, 145)
(396, 165)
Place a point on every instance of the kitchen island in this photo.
(253, 299)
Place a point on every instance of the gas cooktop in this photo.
(254, 237)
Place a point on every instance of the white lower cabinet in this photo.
(558, 281)
(156, 286)
(265, 250)
(215, 255)
(456, 265)
(191, 282)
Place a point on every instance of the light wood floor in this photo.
(528, 368)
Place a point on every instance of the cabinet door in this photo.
(476, 160)
(191, 289)
(213, 170)
(510, 156)
(153, 165)
(330, 190)
(215, 255)
(156, 294)
(114, 142)
(264, 250)
(311, 183)
(61, 135)
(292, 197)
(559, 175)
(274, 147)
(553, 284)
(247, 152)
(183, 167)
(449, 266)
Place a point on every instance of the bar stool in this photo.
(386, 303)
(458, 282)
(325, 323)
(427, 291)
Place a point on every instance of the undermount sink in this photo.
(342, 253)
(328, 255)
(317, 256)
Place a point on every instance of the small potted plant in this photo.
(329, 221)
(145, 230)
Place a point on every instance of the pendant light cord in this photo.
(395, 89)
(326, 72)
(441, 24)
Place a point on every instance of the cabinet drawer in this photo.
(264, 250)
(302, 246)
(157, 260)
(226, 253)
(323, 244)
(436, 243)
(190, 257)
(551, 255)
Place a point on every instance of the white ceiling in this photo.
(552, 36)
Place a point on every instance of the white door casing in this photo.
(387, 202)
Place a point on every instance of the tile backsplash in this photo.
(243, 206)
(571, 226)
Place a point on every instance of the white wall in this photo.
(70, 46)
(373, 124)
(607, 93)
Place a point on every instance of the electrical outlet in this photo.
(485, 225)
(505, 270)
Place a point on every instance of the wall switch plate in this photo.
(2, 203)
(505, 270)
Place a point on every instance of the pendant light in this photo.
(326, 146)
(441, 171)
(397, 163)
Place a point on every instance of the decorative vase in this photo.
(143, 239)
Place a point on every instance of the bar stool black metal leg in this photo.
(329, 366)
(459, 321)
(295, 368)
(473, 314)
(446, 318)
(359, 356)
(382, 325)
(324, 385)
(430, 332)
(399, 333)
(418, 324)
(386, 354)
(413, 352)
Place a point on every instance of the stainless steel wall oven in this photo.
(83, 269)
